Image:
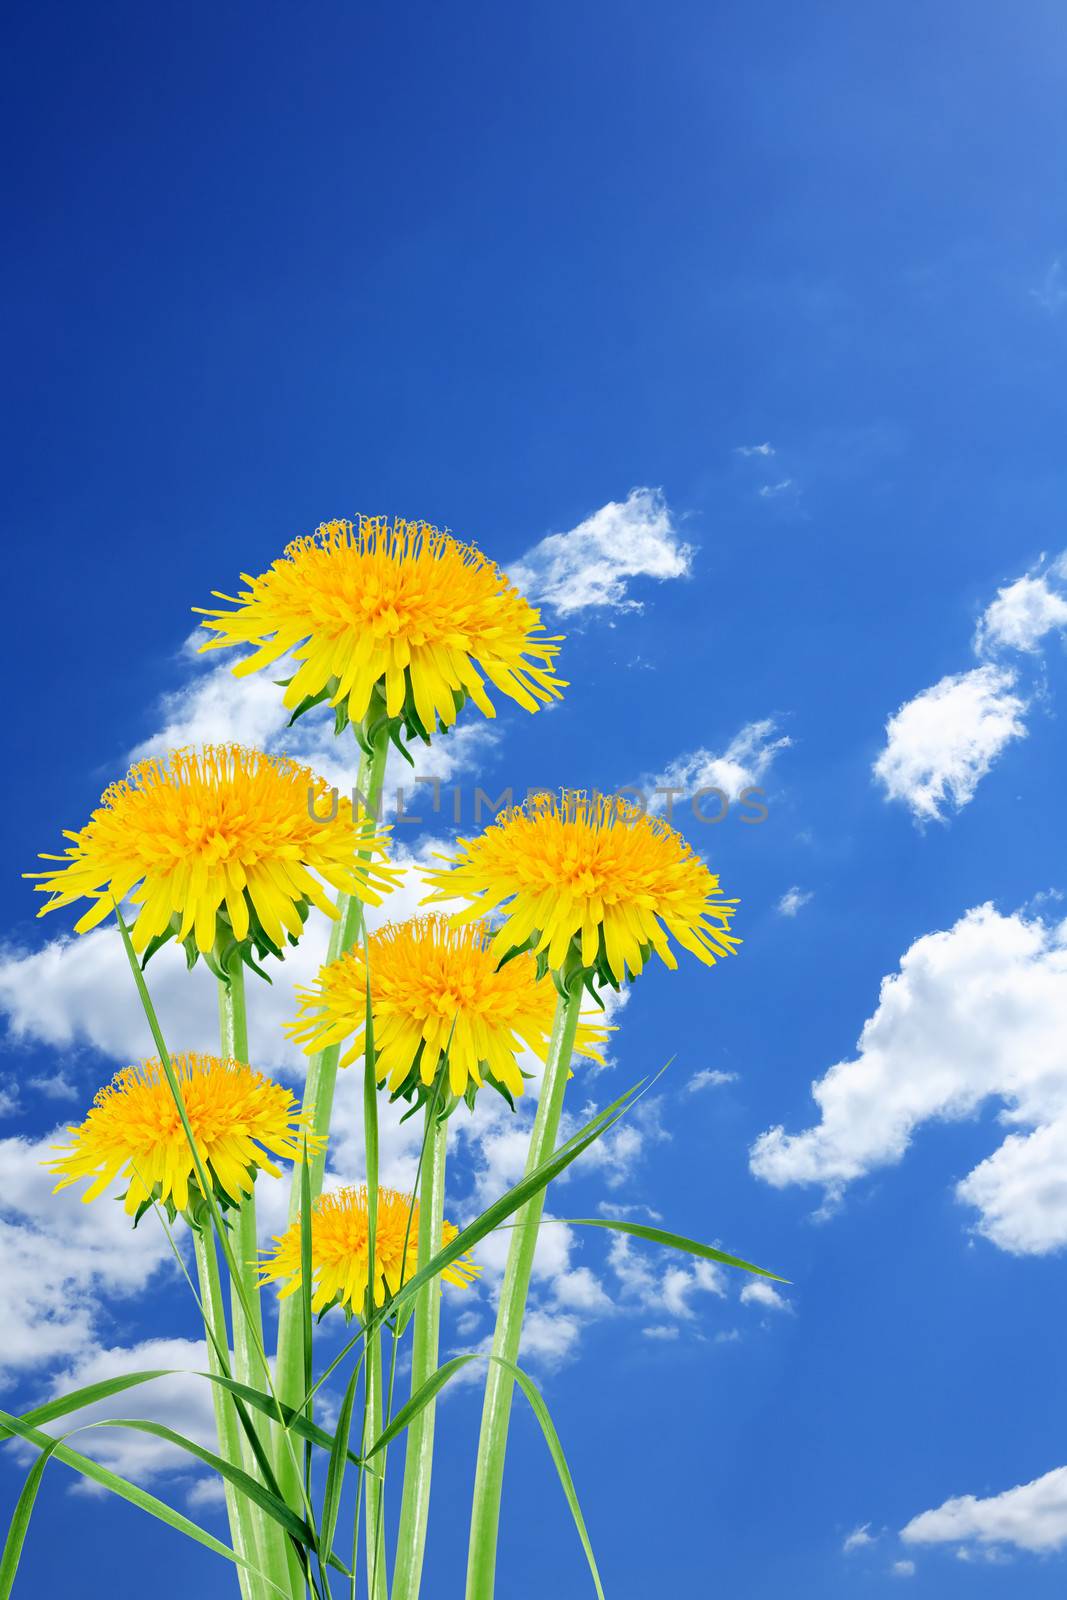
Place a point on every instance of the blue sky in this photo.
(764, 312)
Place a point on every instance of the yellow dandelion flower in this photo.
(394, 611)
(435, 991)
(218, 844)
(340, 1232)
(594, 883)
(134, 1135)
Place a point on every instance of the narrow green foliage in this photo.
(95, 1473)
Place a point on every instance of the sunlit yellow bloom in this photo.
(223, 833)
(134, 1135)
(594, 876)
(339, 1235)
(434, 988)
(396, 604)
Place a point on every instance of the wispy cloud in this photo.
(764, 449)
(594, 564)
(709, 1078)
(793, 901)
(743, 764)
(1051, 293)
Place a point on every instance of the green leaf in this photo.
(673, 1241)
(419, 1401)
(443, 1375)
(555, 1450)
(20, 1521)
(250, 1487)
(89, 1394)
(127, 1491)
(335, 1473)
(292, 1420)
(305, 1293)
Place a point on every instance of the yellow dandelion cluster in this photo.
(134, 1134)
(591, 879)
(221, 835)
(340, 1235)
(394, 610)
(435, 990)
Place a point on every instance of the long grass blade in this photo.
(20, 1521)
(444, 1374)
(250, 1487)
(295, 1421)
(125, 1490)
(673, 1241)
(335, 1472)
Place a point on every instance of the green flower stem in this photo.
(426, 1322)
(499, 1384)
(239, 1509)
(374, 1507)
(249, 1360)
(318, 1108)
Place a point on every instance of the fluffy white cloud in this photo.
(57, 1256)
(758, 1292)
(1032, 1516)
(858, 1538)
(792, 901)
(742, 765)
(1022, 614)
(940, 745)
(977, 1012)
(593, 564)
(903, 1569)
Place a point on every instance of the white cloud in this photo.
(941, 744)
(593, 564)
(764, 449)
(792, 901)
(903, 1569)
(758, 1292)
(709, 1078)
(56, 1086)
(645, 1284)
(1022, 614)
(662, 1331)
(771, 491)
(976, 1013)
(742, 765)
(858, 1538)
(57, 1255)
(1032, 1516)
(1051, 295)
